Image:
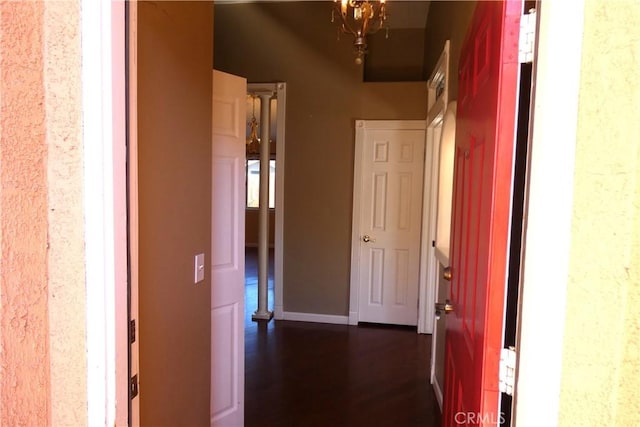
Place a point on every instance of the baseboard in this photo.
(278, 313)
(255, 245)
(353, 317)
(317, 318)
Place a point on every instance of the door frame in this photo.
(438, 107)
(548, 212)
(560, 33)
(104, 121)
(361, 126)
(133, 206)
(437, 104)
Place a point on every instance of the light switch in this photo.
(198, 275)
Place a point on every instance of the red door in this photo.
(481, 212)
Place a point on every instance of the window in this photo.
(253, 183)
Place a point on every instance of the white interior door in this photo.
(227, 252)
(387, 220)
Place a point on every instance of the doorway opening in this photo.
(277, 105)
(517, 217)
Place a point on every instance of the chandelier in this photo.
(360, 18)
(253, 142)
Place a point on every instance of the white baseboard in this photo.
(278, 312)
(317, 318)
(255, 245)
(353, 317)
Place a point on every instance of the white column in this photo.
(263, 239)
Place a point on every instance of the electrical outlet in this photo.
(198, 274)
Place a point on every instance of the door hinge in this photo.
(507, 374)
(132, 331)
(133, 387)
(527, 40)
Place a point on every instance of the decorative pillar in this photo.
(263, 239)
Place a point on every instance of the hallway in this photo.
(314, 374)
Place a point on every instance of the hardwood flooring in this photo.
(302, 374)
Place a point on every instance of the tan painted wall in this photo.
(601, 356)
(447, 20)
(174, 97)
(296, 43)
(252, 228)
(400, 57)
(42, 306)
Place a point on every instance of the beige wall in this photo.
(295, 43)
(399, 57)
(174, 97)
(42, 286)
(252, 228)
(601, 356)
(447, 20)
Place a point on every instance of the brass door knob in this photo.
(445, 308)
(447, 274)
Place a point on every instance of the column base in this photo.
(257, 316)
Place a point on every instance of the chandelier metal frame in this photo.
(360, 18)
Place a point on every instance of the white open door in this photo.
(227, 252)
(387, 221)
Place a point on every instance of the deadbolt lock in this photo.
(447, 274)
(441, 308)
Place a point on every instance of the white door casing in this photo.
(134, 267)
(103, 51)
(440, 254)
(385, 258)
(227, 252)
(548, 211)
(437, 101)
(439, 113)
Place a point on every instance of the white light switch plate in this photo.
(198, 274)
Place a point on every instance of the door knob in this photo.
(366, 238)
(445, 308)
(447, 274)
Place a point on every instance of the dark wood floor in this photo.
(302, 374)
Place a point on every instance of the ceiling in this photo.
(401, 14)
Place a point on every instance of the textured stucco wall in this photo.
(601, 355)
(66, 274)
(42, 321)
(24, 349)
